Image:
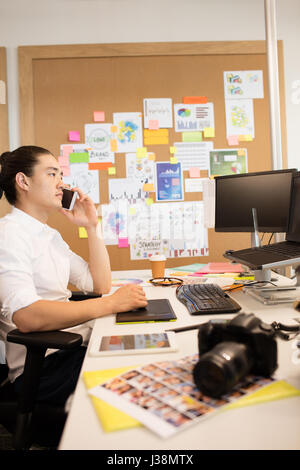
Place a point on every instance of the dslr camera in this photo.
(231, 349)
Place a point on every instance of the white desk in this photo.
(272, 425)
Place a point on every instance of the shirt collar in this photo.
(32, 225)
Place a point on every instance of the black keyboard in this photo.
(204, 299)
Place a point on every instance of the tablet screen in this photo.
(134, 342)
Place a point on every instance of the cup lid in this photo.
(157, 258)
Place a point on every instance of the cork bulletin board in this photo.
(61, 86)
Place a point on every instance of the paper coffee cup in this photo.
(158, 263)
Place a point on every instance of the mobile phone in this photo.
(69, 198)
(134, 344)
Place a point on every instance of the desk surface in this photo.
(272, 425)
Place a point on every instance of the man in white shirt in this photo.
(36, 266)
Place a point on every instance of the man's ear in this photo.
(22, 181)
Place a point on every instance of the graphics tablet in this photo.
(157, 310)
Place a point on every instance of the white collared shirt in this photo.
(35, 264)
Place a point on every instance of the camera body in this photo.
(229, 350)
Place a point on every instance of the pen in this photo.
(185, 328)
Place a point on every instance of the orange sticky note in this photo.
(114, 129)
(113, 145)
(151, 156)
(194, 99)
(148, 187)
(99, 116)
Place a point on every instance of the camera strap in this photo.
(280, 330)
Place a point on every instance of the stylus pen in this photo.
(185, 328)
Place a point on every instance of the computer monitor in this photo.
(267, 191)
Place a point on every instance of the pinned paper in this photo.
(209, 132)
(194, 172)
(153, 124)
(123, 243)
(192, 136)
(113, 145)
(82, 232)
(79, 157)
(194, 99)
(74, 136)
(99, 116)
(63, 161)
(233, 140)
(148, 187)
(112, 170)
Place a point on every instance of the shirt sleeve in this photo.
(17, 289)
(80, 275)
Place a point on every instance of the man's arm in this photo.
(47, 315)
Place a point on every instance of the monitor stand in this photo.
(260, 274)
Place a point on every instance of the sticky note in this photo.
(82, 232)
(148, 187)
(99, 116)
(66, 150)
(123, 242)
(99, 165)
(63, 161)
(113, 145)
(233, 140)
(74, 136)
(132, 210)
(173, 149)
(141, 152)
(111, 170)
(149, 201)
(194, 172)
(173, 160)
(193, 136)
(245, 138)
(241, 152)
(194, 99)
(156, 137)
(153, 124)
(114, 129)
(209, 132)
(152, 156)
(79, 157)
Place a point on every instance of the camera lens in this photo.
(220, 369)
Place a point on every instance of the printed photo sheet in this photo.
(163, 396)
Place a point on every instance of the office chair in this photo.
(30, 422)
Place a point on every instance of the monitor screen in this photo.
(267, 191)
(294, 221)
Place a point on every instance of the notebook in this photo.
(277, 254)
(156, 310)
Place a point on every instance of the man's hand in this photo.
(84, 213)
(127, 298)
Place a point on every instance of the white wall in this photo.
(42, 22)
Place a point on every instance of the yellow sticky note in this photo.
(151, 156)
(173, 160)
(114, 129)
(111, 170)
(113, 145)
(173, 149)
(148, 187)
(82, 232)
(149, 201)
(241, 152)
(209, 132)
(132, 210)
(141, 152)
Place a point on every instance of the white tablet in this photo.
(134, 344)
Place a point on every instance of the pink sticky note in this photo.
(74, 136)
(67, 149)
(63, 161)
(99, 116)
(153, 124)
(65, 170)
(233, 140)
(123, 243)
(194, 172)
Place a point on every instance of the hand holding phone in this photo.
(69, 198)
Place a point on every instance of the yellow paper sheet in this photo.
(113, 419)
